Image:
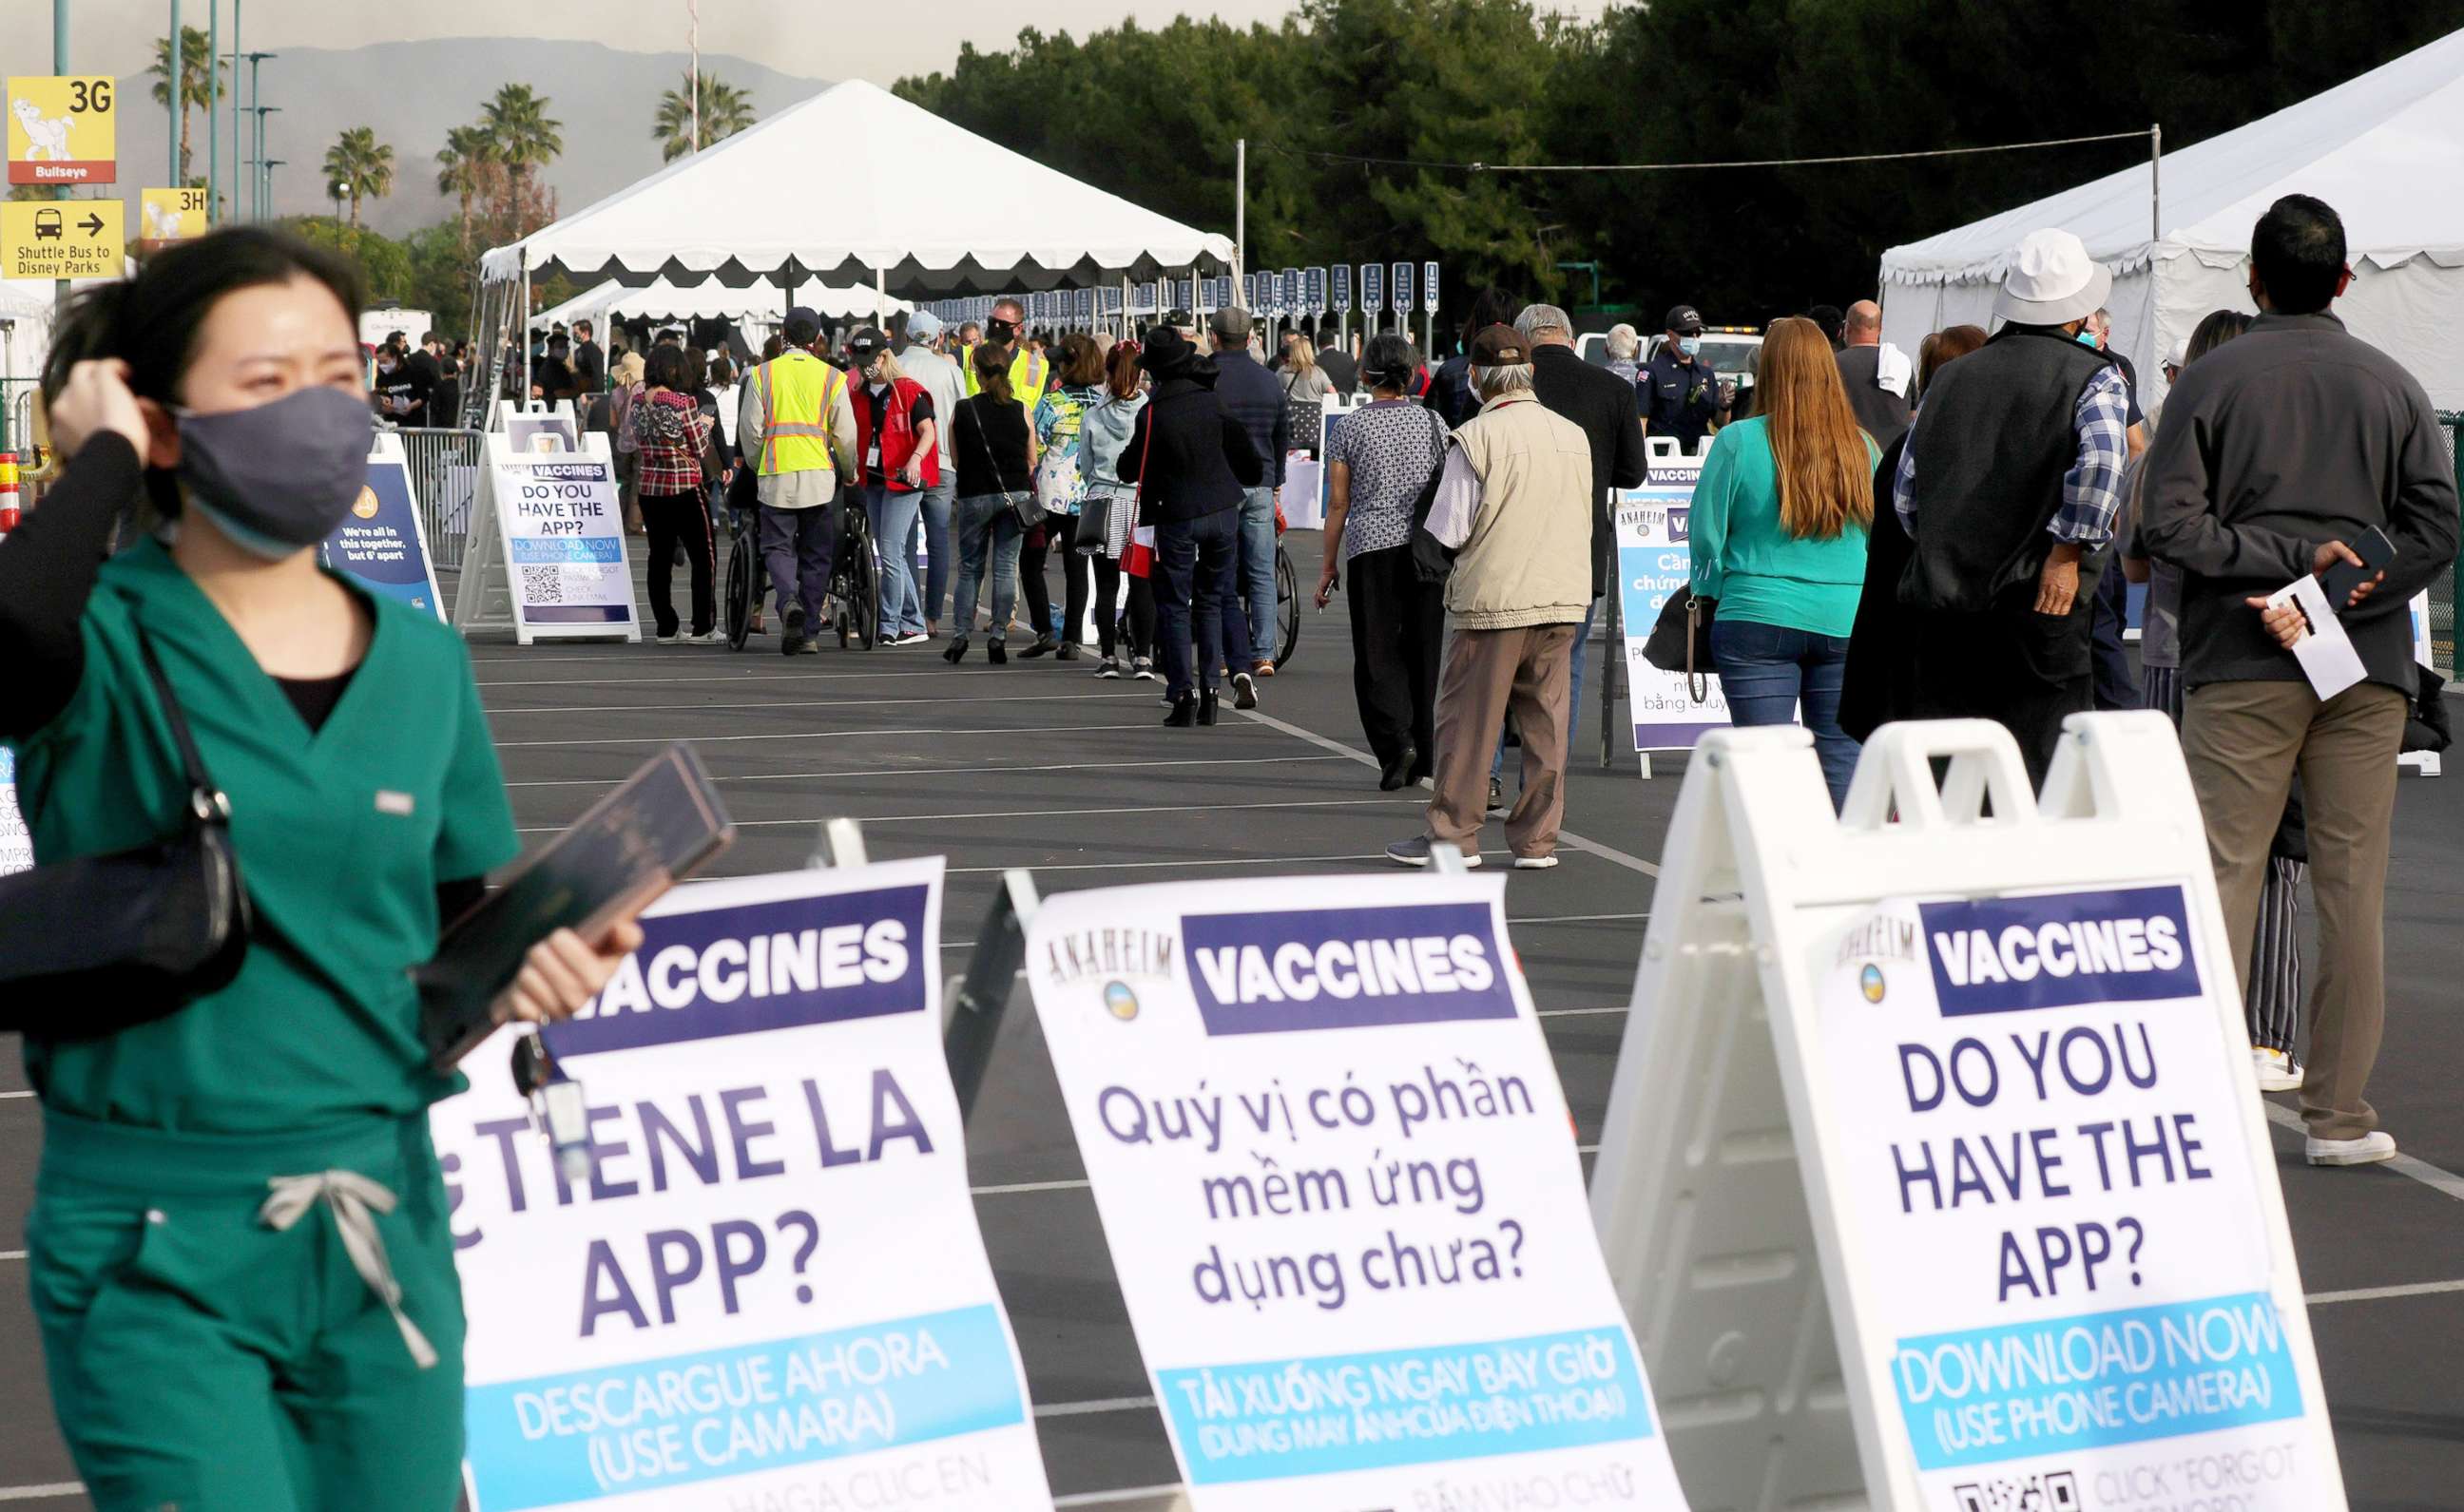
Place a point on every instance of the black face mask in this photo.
(1000, 332)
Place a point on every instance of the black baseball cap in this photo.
(865, 343)
(1180, 319)
(1684, 319)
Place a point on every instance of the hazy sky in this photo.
(817, 39)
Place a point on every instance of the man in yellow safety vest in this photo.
(797, 431)
(1027, 368)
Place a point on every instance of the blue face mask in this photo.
(2086, 337)
(1690, 345)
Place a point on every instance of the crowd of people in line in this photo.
(1874, 537)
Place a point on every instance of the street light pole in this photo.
(175, 64)
(257, 107)
(265, 168)
(213, 99)
(235, 114)
(260, 189)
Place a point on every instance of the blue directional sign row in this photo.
(1283, 293)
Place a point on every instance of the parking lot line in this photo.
(1096, 1499)
(58, 1490)
(1565, 837)
(1109, 1404)
(819, 703)
(2403, 1165)
(1051, 813)
(968, 770)
(832, 734)
(2423, 1288)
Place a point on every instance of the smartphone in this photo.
(2342, 577)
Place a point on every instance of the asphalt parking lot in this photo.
(1040, 765)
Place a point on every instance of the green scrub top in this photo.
(342, 836)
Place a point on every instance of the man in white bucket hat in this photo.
(2008, 488)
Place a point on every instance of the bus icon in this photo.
(47, 226)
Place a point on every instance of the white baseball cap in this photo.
(2051, 281)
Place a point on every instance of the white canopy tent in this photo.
(2385, 149)
(828, 190)
(663, 302)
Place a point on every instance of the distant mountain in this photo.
(412, 92)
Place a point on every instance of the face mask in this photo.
(2086, 337)
(279, 476)
(1690, 345)
(384, 368)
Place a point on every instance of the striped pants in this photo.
(2271, 998)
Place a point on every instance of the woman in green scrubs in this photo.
(239, 1252)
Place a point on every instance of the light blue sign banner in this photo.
(1273, 1420)
(667, 1422)
(2062, 1385)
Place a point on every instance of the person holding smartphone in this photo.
(239, 1252)
(2279, 451)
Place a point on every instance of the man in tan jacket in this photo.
(1514, 503)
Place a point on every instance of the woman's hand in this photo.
(1325, 584)
(95, 399)
(561, 972)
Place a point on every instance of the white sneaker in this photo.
(2278, 1070)
(2369, 1150)
(910, 638)
(706, 638)
(1535, 863)
(671, 638)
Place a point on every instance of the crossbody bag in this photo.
(97, 944)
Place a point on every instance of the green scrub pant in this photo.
(202, 1361)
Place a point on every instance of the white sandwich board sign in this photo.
(546, 551)
(1339, 1184)
(1935, 1174)
(769, 1289)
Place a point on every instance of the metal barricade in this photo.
(445, 478)
(2449, 591)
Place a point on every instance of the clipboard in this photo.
(658, 827)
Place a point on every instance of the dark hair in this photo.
(696, 369)
(2219, 327)
(1390, 362)
(2298, 252)
(1830, 318)
(666, 367)
(802, 332)
(992, 372)
(1121, 369)
(1081, 361)
(721, 373)
(1491, 306)
(772, 346)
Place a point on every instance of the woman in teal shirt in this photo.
(238, 1250)
(1778, 538)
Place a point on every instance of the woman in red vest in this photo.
(897, 448)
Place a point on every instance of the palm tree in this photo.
(523, 135)
(196, 65)
(725, 111)
(358, 165)
(461, 164)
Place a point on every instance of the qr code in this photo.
(542, 585)
(2056, 1491)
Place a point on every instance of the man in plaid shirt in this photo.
(2022, 446)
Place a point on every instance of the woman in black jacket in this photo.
(1191, 462)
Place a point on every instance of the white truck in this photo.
(1733, 351)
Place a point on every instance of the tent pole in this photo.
(2155, 185)
(522, 326)
(881, 297)
(1239, 205)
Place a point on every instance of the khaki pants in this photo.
(1487, 672)
(2243, 742)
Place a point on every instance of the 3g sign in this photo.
(61, 129)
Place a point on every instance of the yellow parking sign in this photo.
(62, 240)
(171, 216)
(60, 129)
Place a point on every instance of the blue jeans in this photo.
(939, 559)
(1257, 587)
(1573, 697)
(893, 515)
(986, 528)
(1767, 671)
(1194, 574)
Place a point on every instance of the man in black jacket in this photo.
(1194, 464)
(2279, 451)
(1603, 404)
(1250, 395)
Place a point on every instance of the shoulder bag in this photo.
(1681, 640)
(97, 944)
(1021, 502)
